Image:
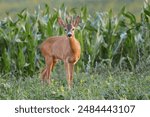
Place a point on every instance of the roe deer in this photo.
(65, 48)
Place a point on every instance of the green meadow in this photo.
(115, 49)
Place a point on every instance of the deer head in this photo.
(69, 27)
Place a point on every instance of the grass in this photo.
(114, 64)
(106, 85)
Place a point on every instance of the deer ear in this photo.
(61, 22)
(76, 21)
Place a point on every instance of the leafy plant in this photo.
(106, 39)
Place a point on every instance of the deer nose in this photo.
(69, 34)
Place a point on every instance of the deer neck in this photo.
(73, 45)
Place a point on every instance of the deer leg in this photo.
(71, 68)
(43, 73)
(47, 70)
(67, 74)
(49, 73)
(54, 62)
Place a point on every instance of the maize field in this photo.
(114, 63)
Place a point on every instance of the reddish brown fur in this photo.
(63, 48)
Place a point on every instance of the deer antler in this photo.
(69, 19)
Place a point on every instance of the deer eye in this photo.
(73, 29)
(65, 30)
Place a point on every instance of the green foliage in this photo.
(87, 86)
(115, 57)
(106, 39)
